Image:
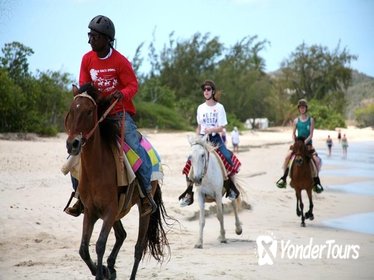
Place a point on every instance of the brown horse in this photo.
(100, 194)
(301, 178)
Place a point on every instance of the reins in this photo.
(89, 134)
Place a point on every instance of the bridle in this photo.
(299, 156)
(86, 136)
(206, 158)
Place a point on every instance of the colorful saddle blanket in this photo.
(230, 169)
(135, 161)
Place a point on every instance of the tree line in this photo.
(170, 92)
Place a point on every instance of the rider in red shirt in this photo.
(110, 75)
(113, 75)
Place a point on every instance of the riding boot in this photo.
(282, 182)
(149, 206)
(76, 209)
(232, 191)
(186, 198)
(317, 185)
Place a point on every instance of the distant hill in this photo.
(361, 91)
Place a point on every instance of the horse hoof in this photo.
(223, 241)
(302, 224)
(309, 216)
(199, 246)
(239, 231)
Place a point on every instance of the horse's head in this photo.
(300, 150)
(199, 156)
(80, 121)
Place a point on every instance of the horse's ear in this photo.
(191, 139)
(75, 90)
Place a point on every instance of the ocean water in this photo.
(359, 163)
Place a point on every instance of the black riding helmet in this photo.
(103, 25)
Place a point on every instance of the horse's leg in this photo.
(238, 224)
(199, 243)
(222, 237)
(298, 212)
(120, 234)
(88, 225)
(309, 215)
(140, 243)
(300, 200)
(108, 222)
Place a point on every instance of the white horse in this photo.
(207, 174)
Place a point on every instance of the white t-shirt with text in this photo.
(211, 116)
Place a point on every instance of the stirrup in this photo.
(187, 200)
(232, 195)
(318, 188)
(281, 183)
(75, 210)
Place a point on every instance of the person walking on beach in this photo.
(329, 144)
(344, 146)
(304, 126)
(339, 136)
(235, 139)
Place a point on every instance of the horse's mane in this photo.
(206, 144)
(108, 129)
(300, 144)
(300, 138)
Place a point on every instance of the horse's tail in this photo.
(241, 201)
(157, 240)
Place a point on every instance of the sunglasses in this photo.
(93, 36)
(207, 89)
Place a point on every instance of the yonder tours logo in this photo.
(268, 249)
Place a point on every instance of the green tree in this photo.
(11, 102)
(324, 116)
(241, 76)
(15, 60)
(29, 103)
(365, 115)
(316, 73)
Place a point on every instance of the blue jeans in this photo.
(132, 138)
(217, 140)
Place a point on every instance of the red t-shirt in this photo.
(110, 74)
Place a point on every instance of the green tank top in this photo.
(303, 128)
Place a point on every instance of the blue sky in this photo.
(57, 29)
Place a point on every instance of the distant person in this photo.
(235, 139)
(329, 144)
(344, 146)
(339, 136)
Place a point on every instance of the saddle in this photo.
(126, 166)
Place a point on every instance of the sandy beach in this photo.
(39, 241)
